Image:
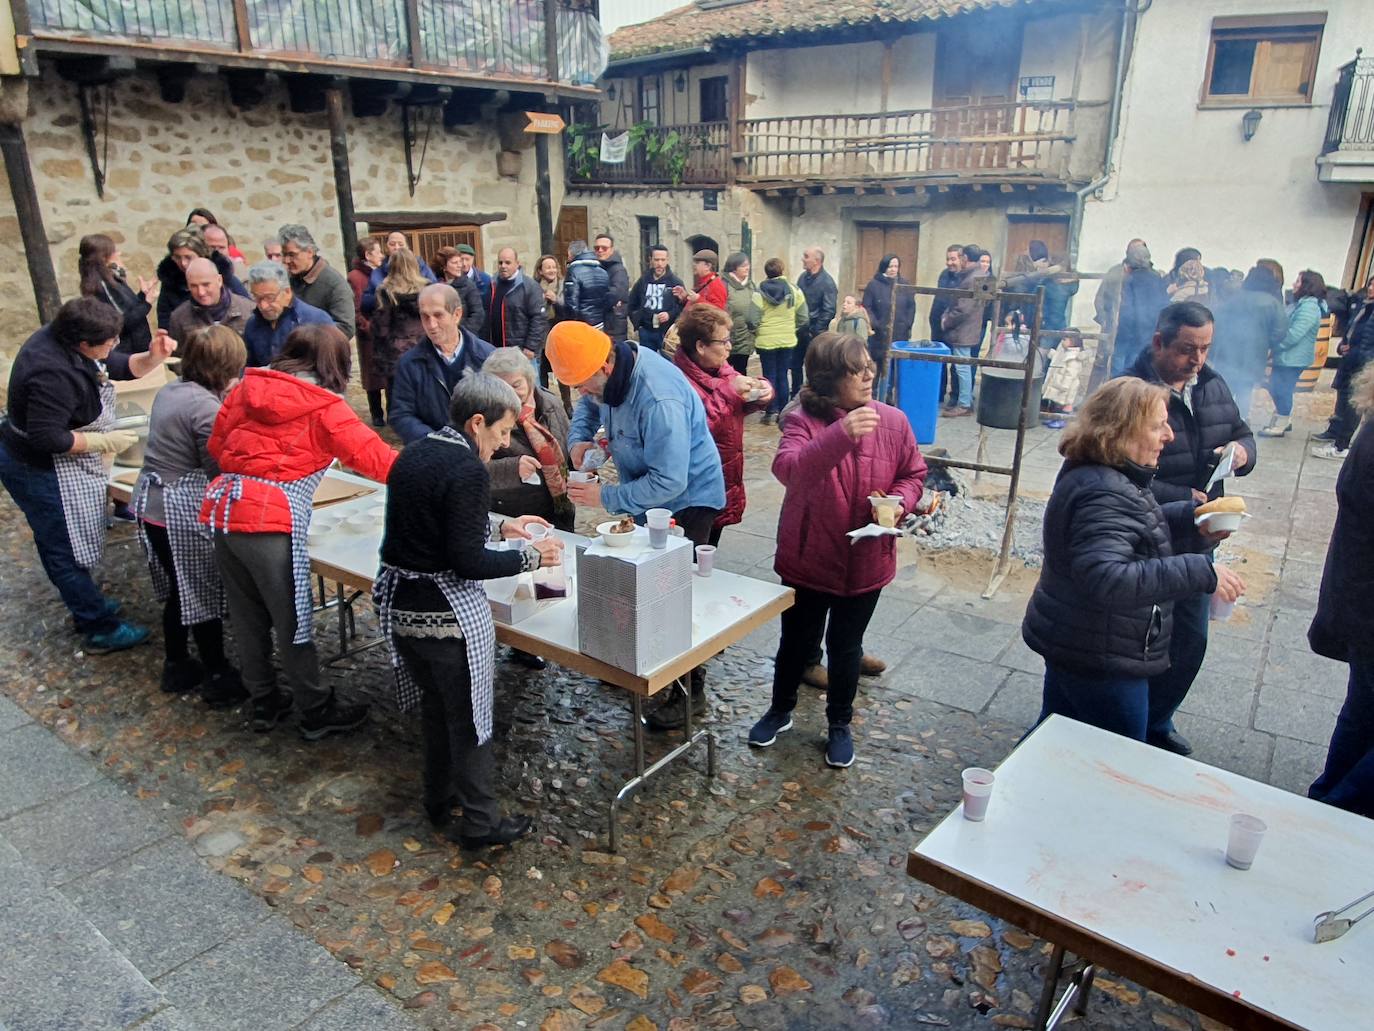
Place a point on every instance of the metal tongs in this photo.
(1331, 925)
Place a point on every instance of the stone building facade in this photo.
(254, 168)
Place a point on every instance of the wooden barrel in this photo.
(1308, 379)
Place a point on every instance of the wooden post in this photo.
(736, 116)
(242, 29)
(343, 180)
(543, 182)
(417, 53)
(30, 216)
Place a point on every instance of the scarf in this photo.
(219, 311)
(549, 455)
(618, 385)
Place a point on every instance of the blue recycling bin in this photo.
(918, 388)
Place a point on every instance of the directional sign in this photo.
(544, 122)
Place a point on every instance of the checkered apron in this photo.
(193, 549)
(468, 600)
(82, 481)
(300, 496)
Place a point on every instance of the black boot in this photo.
(667, 715)
(181, 675)
(374, 406)
(331, 718)
(224, 689)
(509, 830)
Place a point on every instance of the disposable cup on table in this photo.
(706, 559)
(578, 476)
(658, 520)
(977, 792)
(1219, 611)
(1244, 840)
(537, 531)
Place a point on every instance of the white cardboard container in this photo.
(511, 598)
(634, 604)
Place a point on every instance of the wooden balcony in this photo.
(495, 43)
(666, 155)
(1001, 142)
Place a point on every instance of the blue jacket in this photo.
(379, 273)
(419, 393)
(659, 439)
(1298, 348)
(265, 341)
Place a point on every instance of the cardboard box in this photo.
(511, 598)
(634, 604)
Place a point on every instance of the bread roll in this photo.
(1227, 504)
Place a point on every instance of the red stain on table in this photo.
(1232, 952)
(1206, 801)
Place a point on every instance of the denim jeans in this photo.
(963, 378)
(799, 360)
(1348, 780)
(1282, 380)
(802, 626)
(777, 362)
(1118, 704)
(651, 338)
(36, 493)
(1187, 649)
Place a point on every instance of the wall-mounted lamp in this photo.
(680, 82)
(1249, 124)
(610, 92)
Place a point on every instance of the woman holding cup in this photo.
(529, 476)
(837, 448)
(1102, 612)
(704, 345)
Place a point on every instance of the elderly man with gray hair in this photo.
(314, 281)
(278, 312)
(426, 375)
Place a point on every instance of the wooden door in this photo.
(879, 238)
(425, 241)
(1021, 231)
(572, 225)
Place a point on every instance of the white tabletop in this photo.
(720, 602)
(1128, 842)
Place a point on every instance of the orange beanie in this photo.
(576, 352)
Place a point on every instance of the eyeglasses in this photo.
(723, 340)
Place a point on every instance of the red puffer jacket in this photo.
(278, 427)
(828, 479)
(725, 412)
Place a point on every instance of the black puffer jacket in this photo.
(1104, 603)
(586, 291)
(174, 292)
(1188, 460)
(1359, 337)
(618, 301)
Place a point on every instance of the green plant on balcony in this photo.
(667, 151)
(584, 149)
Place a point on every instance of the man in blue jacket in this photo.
(659, 439)
(426, 374)
(279, 311)
(586, 287)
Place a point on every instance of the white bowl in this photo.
(615, 540)
(1221, 522)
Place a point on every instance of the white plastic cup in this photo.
(537, 531)
(1219, 611)
(977, 792)
(581, 477)
(1244, 840)
(658, 520)
(706, 559)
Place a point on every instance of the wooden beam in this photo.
(859, 191)
(827, 189)
(244, 35)
(977, 187)
(411, 219)
(943, 189)
(30, 217)
(1006, 187)
(891, 191)
(343, 179)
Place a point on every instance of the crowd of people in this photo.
(477, 375)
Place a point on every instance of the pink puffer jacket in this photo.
(828, 479)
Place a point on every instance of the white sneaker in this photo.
(1330, 451)
(1275, 430)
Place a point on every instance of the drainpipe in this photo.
(1128, 17)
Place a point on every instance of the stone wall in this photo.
(255, 169)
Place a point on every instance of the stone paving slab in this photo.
(11, 715)
(162, 907)
(1238, 749)
(82, 831)
(962, 633)
(98, 989)
(949, 679)
(1296, 714)
(35, 768)
(270, 978)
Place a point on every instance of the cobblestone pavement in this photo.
(774, 896)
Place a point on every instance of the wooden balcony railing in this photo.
(500, 39)
(1350, 125)
(665, 155)
(1021, 139)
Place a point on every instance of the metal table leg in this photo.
(642, 773)
(1075, 994)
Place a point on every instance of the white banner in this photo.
(613, 148)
